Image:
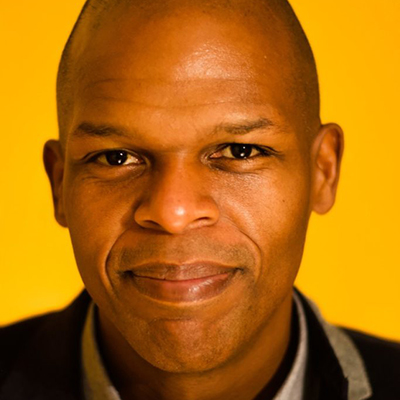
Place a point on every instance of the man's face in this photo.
(187, 185)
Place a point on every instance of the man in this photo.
(190, 157)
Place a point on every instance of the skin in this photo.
(174, 92)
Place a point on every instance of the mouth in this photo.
(181, 283)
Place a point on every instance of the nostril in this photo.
(149, 224)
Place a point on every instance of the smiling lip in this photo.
(183, 283)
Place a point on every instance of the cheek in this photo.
(274, 216)
(273, 211)
(97, 215)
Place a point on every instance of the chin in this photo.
(185, 347)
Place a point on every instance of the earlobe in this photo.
(327, 156)
(53, 159)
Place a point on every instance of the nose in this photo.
(177, 200)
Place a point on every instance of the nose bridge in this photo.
(176, 184)
(177, 199)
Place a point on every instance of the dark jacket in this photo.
(40, 359)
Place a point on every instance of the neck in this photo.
(261, 366)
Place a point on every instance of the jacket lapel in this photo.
(334, 360)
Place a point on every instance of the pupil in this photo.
(116, 157)
(240, 150)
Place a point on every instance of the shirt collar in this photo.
(293, 387)
(96, 382)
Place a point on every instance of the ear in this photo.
(53, 159)
(327, 156)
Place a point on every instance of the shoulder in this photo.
(367, 363)
(16, 338)
(382, 363)
(41, 341)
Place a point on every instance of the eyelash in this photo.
(95, 158)
(264, 151)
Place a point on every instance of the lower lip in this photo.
(191, 290)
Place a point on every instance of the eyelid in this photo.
(265, 151)
(93, 157)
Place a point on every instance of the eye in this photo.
(117, 158)
(238, 151)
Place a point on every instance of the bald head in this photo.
(275, 19)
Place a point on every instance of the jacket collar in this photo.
(336, 358)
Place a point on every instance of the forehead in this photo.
(185, 59)
(185, 43)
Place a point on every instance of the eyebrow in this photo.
(241, 128)
(88, 129)
(245, 126)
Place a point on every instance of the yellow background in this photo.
(351, 266)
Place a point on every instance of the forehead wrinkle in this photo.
(184, 83)
(185, 94)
